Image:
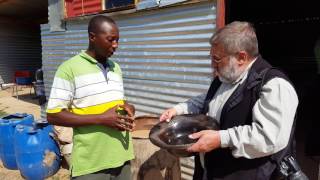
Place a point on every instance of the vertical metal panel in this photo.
(20, 49)
(53, 50)
(163, 53)
(81, 7)
(56, 15)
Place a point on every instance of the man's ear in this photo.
(92, 36)
(242, 57)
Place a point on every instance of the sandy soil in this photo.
(25, 103)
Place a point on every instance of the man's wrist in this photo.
(179, 109)
(99, 120)
(224, 138)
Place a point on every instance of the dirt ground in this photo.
(151, 163)
(25, 103)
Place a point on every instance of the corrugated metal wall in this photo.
(163, 53)
(20, 49)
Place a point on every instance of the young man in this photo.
(86, 94)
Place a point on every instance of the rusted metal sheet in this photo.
(82, 7)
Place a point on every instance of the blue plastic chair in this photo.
(23, 81)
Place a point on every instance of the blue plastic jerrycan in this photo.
(37, 153)
(7, 126)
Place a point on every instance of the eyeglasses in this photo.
(217, 59)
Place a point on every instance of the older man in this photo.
(254, 104)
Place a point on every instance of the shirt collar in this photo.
(87, 57)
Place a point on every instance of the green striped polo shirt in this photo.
(82, 86)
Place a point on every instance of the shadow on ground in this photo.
(27, 97)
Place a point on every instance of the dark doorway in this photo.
(289, 38)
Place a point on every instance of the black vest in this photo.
(219, 163)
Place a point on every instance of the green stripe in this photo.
(82, 64)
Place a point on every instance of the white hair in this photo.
(237, 36)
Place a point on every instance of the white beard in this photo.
(231, 72)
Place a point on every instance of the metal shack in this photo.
(20, 41)
(164, 51)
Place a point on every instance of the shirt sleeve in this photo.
(192, 106)
(273, 116)
(62, 91)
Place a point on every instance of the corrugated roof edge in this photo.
(133, 9)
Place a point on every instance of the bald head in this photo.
(103, 38)
(96, 22)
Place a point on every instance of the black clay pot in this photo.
(173, 135)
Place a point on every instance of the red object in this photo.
(76, 8)
(221, 13)
(21, 74)
(22, 78)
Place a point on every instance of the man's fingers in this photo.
(130, 109)
(133, 126)
(123, 128)
(166, 116)
(126, 118)
(123, 125)
(194, 148)
(196, 135)
(169, 117)
(162, 118)
(127, 109)
(126, 123)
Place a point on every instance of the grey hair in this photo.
(237, 36)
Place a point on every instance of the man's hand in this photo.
(208, 140)
(117, 121)
(168, 114)
(129, 108)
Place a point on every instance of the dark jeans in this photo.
(119, 173)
